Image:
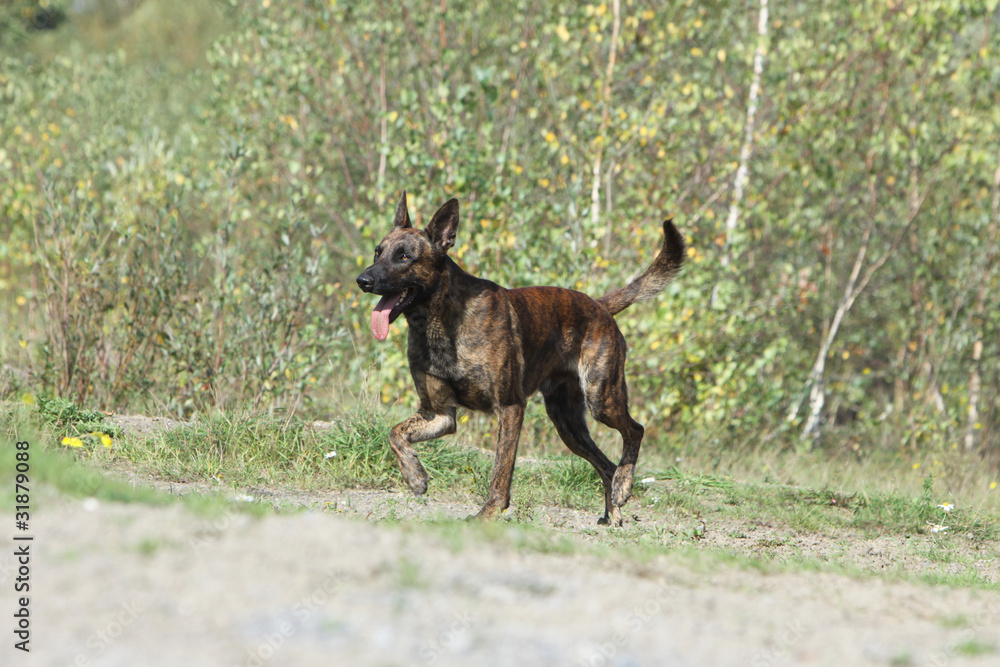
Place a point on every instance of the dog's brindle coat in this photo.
(476, 345)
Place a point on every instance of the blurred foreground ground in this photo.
(117, 584)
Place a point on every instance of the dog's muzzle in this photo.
(366, 282)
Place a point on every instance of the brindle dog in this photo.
(476, 345)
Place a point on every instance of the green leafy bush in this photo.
(187, 237)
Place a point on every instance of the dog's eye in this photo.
(378, 252)
(402, 256)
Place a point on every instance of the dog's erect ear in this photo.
(402, 220)
(443, 226)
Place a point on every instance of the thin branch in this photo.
(746, 150)
(595, 191)
(384, 124)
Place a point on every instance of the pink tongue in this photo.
(380, 316)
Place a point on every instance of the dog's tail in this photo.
(666, 265)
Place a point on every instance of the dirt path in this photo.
(134, 585)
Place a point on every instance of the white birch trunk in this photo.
(595, 191)
(975, 380)
(746, 150)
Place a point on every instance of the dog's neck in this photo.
(448, 296)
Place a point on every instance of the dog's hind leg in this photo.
(565, 407)
(607, 398)
(424, 425)
(621, 488)
(617, 417)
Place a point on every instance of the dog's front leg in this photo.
(424, 425)
(509, 418)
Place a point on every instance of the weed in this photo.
(148, 546)
(771, 543)
(68, 418)
(974, 647)
(408, 574)
(956, 621)
(901, 659)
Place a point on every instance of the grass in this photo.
(73, 420)
(67, 474)
(751, 522)
(242, 449)
(81, 472)
(975, 648)
(810, 509)
(409, 575)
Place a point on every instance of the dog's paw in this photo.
(418, 483)
(416, 477)
(614, 520)
(488, 513)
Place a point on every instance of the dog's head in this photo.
(408, 264)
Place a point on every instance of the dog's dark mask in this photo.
(407, 262)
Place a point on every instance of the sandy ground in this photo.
(115, 584)
(133, 585)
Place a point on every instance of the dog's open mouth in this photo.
(388, 309)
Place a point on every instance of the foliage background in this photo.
(188, 196)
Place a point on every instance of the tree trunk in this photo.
(975, 379)
(595, 191)
(817, 395)
(746, 150)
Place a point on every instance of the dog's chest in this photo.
(433, 348)
(469, 344)
(442, 351)
(460, 356)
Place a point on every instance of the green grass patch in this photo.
(82, 472)
(70, 474)
(975, 648)
(239, 449)
(75, 474)
(245, 449)
(72, 420)
(819, 509)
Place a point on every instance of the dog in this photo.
(476, 345)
